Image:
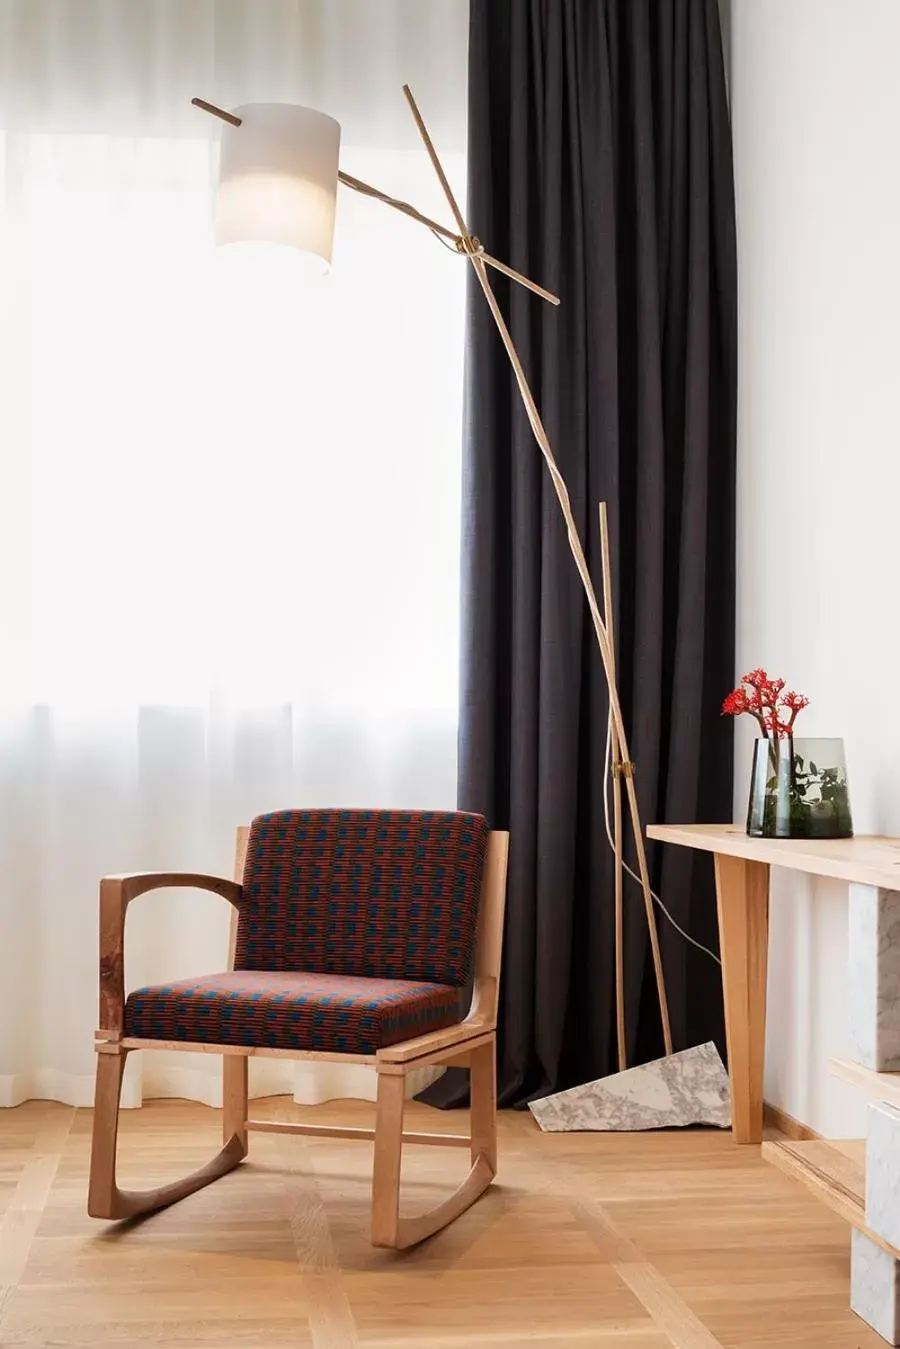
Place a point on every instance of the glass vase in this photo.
(798, 789)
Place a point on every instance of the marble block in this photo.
(690, 1087)
(875, 1287)
(883, 1171)
(874, 972)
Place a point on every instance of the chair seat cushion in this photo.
(335, 1013)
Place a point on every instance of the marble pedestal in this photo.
(875, 1287)
(883, 1171)
(874, 969)
(874, 1273)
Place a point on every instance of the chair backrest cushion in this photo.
(386, 894)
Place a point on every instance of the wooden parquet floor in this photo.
(614, 1241)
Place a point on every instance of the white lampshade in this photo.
(278, 179)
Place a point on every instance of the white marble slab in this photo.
(883, 1171)
(874, 972)
(690, 1087)
(875, 1287)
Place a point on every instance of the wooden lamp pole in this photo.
(466, 244)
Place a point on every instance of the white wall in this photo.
(815, 94)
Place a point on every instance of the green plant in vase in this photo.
(798, 788)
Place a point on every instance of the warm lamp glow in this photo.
(278, 180)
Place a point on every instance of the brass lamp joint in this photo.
(624, 769)
(468, 244)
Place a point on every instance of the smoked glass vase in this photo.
(798, 789)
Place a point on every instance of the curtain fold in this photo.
(600, 165)
(229, 524)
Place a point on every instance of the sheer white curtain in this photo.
(229, 517)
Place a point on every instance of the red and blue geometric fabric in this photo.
(381, 894)
(332, 1013)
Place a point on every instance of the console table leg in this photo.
(742, 895)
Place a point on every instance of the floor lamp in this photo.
(278, 182)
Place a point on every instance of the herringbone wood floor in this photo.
(614, 1241)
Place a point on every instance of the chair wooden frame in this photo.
(471, 1043)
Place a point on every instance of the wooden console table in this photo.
(742, 892)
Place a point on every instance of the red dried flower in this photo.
(736, 703)
(765, 699)
(795, 702)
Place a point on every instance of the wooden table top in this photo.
(868, 859)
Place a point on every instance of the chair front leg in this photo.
(483, 1093)
(388, 1151)
(388, 1228)
(105, 1199)
(234, 1099)
(102, 1191)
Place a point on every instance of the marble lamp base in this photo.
(690, 1087)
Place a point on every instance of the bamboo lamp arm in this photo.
(600, 628)
(463, 244)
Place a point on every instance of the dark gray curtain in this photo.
(600, 165)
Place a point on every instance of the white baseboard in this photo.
(198, 1077)
(309, 1083)
(48, 1084)
(318, 1082)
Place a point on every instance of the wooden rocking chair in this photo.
(352, 935)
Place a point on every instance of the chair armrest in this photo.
(116, 893)
(134, 883)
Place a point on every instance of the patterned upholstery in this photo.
(356, 931)
(378, 893)
(332, 1013)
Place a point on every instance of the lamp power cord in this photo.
(633, 874)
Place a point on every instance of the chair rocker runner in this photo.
(353, 933)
